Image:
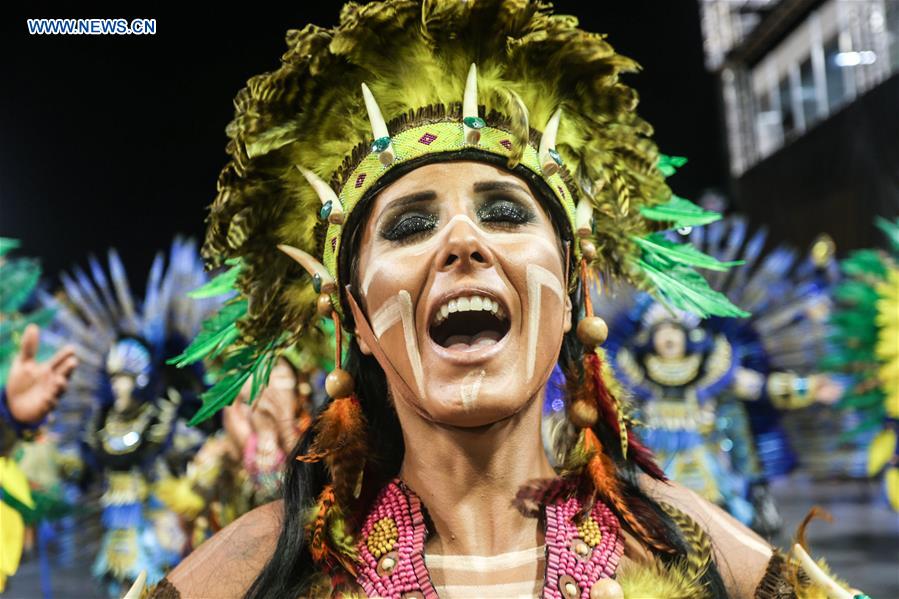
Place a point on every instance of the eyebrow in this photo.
(413, 198)
(483, 186)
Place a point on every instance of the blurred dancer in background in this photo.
(133, 428)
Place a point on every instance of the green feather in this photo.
(221, 284)
(865, 265)
(682, 287)
(7, 244)
(679, 212)
(891, 230)
(261, 374)
(217, 333)
(669, 164)
(666, 251)
(221, 394)
(18, 278)
(857, 293)
(237, 373)
(865, 401)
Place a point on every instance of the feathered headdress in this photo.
(403, 82)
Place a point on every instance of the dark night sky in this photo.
(117, 140)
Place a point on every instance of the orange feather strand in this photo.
(340, 440)
(318, 528)
(608, 408)
(601, 470)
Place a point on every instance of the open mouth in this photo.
(469, 323)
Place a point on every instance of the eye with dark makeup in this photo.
(408, 226)
(504, 211)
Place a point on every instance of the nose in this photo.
(464, 248)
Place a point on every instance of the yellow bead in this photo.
(592, 331)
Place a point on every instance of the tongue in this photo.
(479, 340)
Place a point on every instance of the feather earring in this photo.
(602, 473)
(595, 399)
(340, 435)
(340, 442)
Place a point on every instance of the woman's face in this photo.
(462, 279)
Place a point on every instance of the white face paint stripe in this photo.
(538, 277)
(471, 386)
(408, 317)
(369, 277)
(399, 309)
(386, 316)
(492, 563)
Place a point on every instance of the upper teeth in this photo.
(471, 303)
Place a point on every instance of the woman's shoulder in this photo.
(741, 555)
(227, 563)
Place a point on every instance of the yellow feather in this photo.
(881, 450)
(891, 480)
(178, 495)
(658, 580)
(12, 535)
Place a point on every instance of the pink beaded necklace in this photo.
(582, 555)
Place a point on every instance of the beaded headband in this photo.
(428, 142)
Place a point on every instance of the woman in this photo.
(457, 245)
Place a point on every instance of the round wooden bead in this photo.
(582, 414)
(588, 249)
(606, 588)
(592, 331)
(339, 383)
(323, 306)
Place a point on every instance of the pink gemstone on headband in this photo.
(360, 180)
(427, 138)
(506, 144)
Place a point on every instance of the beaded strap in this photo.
(391, 550)
(582, 553)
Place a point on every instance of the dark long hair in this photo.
(290, 572)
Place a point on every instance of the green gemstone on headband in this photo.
(317, 283)
(380, 144)
(861, 596)
(555, 156)
(325, 211)
(474, 122)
